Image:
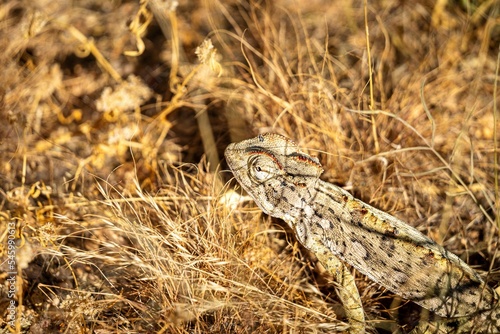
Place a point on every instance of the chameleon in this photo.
(339, 228)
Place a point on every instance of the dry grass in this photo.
(109, 161)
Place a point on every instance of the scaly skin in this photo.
(330, 222)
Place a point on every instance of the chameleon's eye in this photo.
(260, 168)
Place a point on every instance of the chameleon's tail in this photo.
(484, 322)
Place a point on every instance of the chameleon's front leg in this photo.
(347, 289)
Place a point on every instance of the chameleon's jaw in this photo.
(237, 162)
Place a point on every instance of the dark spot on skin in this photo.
(461, 288)
(397, 269)
(283, 183)
(358, 223)
(387, 245)
(391, 233)
(345, 198)
(367, 256)
(340, 227)
(363, 211)
(292, 188)
(429, 257)
(331, 211)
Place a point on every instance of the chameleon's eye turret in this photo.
(261, 168)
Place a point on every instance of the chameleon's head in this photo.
(270, 166)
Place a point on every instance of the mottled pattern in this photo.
(284, 182)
